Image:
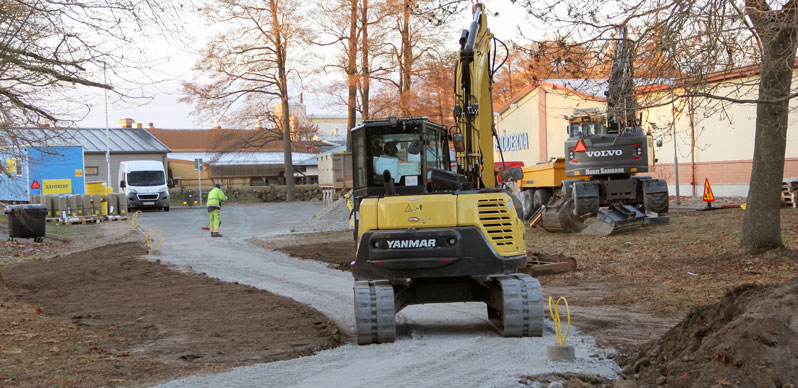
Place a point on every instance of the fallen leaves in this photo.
(672, 268)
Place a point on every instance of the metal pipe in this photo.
(472, 32)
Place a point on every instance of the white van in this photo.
(144, 183)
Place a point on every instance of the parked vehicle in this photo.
(144, 184)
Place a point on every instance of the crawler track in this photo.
(375, 312)
(522, 310)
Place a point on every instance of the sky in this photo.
(175, 63)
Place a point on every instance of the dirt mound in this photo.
(332, 218)
(748, 339)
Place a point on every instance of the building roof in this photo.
(120, 140)
(589, 88)
(563, 85)
(245, 158)
(222, 140)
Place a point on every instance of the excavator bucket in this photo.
(615, 219)
(558, 216)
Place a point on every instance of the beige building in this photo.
(714, 139)
(532, 125)
(332, 128)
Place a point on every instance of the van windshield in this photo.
(145, 178)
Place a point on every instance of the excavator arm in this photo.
(473, 111)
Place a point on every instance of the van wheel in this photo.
(166, 208)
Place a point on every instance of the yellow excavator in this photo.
(428, 232)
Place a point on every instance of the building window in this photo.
(92, 170)
(257, 181)
(19, 167)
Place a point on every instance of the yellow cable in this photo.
(555, 316)
(148, 238)
(161, 236)
(135, 220)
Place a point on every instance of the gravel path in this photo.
(437, 345)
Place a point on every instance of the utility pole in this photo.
(198, 166)
(107, 143)
(675, 153)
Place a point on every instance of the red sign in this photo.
(35, 185)
(708, 196)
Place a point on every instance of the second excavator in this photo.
(611, 150)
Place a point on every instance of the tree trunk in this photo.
(365, 73)
(351, 73)
(280, 49)
(762, 222)
(406, 61)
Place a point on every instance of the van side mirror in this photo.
(122, 184)
(459, 142)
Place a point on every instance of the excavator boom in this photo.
(473, 110)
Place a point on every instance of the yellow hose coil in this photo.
(135, 220)
(154, 238)
(555, 316)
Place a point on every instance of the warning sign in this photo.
(35, 185)
(78, 172)
(57, 186)
(708, 196)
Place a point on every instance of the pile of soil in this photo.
(142, 322)
(748, 339)
(331, 218)
(337, 249)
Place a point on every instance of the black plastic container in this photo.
(26, 221)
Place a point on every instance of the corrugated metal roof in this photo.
(246, 158)
(120, 140)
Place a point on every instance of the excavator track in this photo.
(521, 298)
(375, 312)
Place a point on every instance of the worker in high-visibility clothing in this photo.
(215, 198)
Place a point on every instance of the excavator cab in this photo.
(409, 149)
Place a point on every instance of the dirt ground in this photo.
(630, 287)
(107, 317)
(337, 249)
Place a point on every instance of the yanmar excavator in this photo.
(428, 234)
(609, 149)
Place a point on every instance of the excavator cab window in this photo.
(585, 128)
(407, 151)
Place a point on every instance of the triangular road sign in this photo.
(35, 185)
(708, 196)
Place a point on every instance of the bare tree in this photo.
(248, 67)
(681, 43)
(48, 47)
